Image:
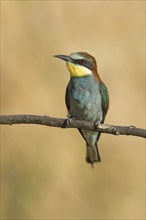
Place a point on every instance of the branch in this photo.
(62, 123)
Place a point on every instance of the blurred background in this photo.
(43, 173)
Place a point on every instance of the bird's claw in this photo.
(96, 124)
(67, 122)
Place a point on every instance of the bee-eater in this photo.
(86, 97)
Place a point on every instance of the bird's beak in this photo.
(64, 57)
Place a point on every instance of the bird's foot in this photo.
(96, 124)
(67, 122)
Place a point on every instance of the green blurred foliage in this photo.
(43, 173)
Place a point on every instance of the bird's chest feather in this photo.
(85, 99)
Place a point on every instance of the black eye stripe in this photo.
(84, 63)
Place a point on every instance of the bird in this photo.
(86, 98)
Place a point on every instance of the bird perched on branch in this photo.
(86, 97)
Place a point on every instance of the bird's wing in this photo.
(67, 99)
(105, 103)
(105, 98)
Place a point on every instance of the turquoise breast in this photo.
(85, 98)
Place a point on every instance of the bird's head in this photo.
(80, 64)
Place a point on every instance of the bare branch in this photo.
(62, 123)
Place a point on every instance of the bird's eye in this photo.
(82, 62)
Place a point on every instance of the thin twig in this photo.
(60, 122)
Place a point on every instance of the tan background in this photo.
(44, 174)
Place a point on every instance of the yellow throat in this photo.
(77, 70)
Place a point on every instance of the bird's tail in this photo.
(92, 154)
